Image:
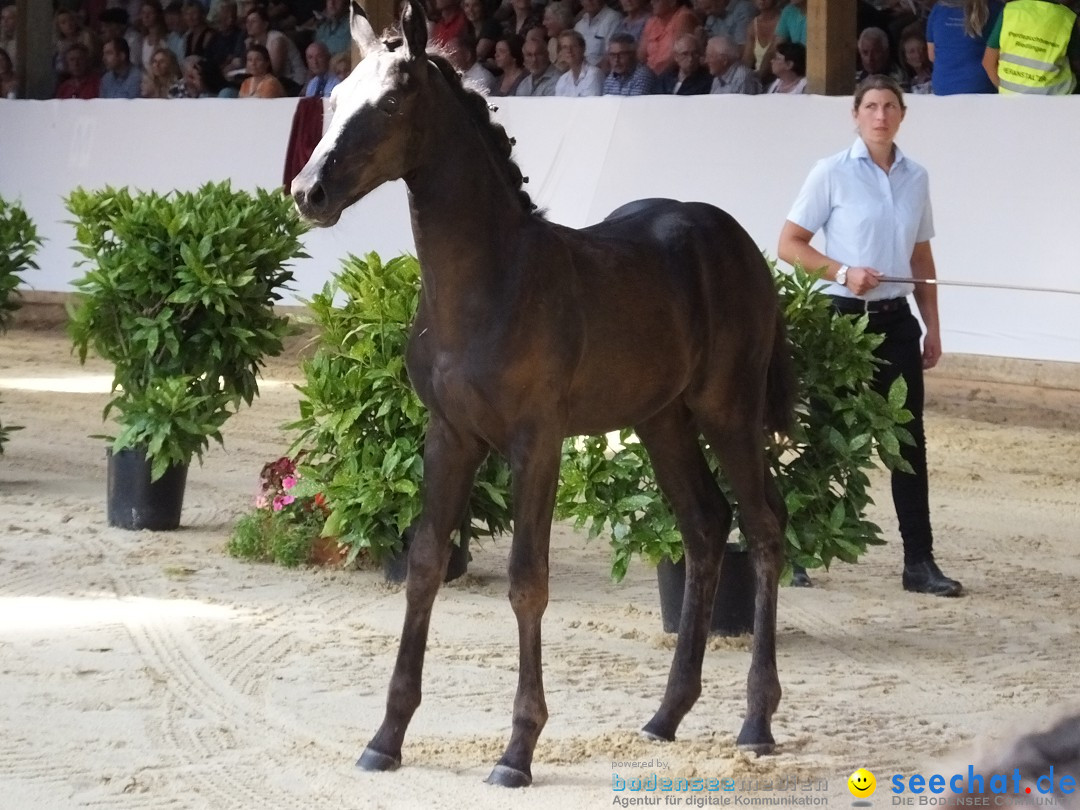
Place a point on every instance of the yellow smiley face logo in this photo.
(862, 784)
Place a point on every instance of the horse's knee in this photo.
(528, 588)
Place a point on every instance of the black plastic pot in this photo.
(733, 609)
(396, 566)
(133, 502)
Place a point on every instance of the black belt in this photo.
(857, 306)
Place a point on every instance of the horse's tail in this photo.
(780, 385)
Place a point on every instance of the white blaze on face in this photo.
(360, 88)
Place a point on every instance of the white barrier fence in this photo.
(1004, 176)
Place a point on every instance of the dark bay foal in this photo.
(663, 317)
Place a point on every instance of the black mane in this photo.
(501, 144)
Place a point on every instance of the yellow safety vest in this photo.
(1032, 59)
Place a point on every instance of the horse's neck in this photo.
(464, 208)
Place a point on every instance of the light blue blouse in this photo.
(869, 218)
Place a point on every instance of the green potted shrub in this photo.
(19, 241)
(180, 299)
(361, 426)
(820, 468)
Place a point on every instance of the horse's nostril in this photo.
(316, 196)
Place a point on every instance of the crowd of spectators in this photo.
(273, 48)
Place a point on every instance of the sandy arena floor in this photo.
(146, 671)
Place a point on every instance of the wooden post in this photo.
(34, 63)
(830, 57)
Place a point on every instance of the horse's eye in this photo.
(388, 104)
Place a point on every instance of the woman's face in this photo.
(255, 24)
(159, 63)
(552, 24)
(502, 55)
(473, 9)
(915, 53)
(780, 66)
(878, 117)
(257, 64)
(193, 80)
(571, 52)
(65, 24)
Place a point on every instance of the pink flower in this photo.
(261, 502)
(281, 501)
(288, 482)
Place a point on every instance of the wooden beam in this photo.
(830, 56)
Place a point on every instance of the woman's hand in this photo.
(931, 351)
(861, 280)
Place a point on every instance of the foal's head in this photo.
(371, 136)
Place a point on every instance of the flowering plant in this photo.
(289, 516)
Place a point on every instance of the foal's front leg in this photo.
(450, 462)
(535, 465)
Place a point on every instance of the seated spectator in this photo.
(669, 21)
(688, 77)
(731, 18)
(557, 18)
(162, 73)
(333, 29)
(580, 79)
(174, 25)
(113, 23)
(199, 37)
(627, 77)
(322, 81)
(9, 30)
(523, 18)
(202, 79)
(510, 60)
(541, 75)
(285, 61)
(81, 82)
(757, 52)
(9, 83)
(789, 68)
(462, 55)
(729, 74)
(154, 34)
(791, 27)
(913, 50)
(227, 49)
(1033, 48)
(288, 16)
(121, 78)
(449, 23)
(485, 30)
(875, 57)
(635, 14)
(69, 31)
(596, 25)
(341, 65)
(261, 82)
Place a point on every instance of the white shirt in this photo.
(869, 218)
(597, 31)
(589, 83)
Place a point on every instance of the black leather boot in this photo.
(926, 577)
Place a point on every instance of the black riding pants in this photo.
(902, 352)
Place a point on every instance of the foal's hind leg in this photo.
(450, 462)
(535, 465)
(740, 448)
(704, 518)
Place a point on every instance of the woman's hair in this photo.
(515, 43)
(796, 54)
(257, 48)
(560, 11)
(6, 65)
(976, 13)
(879, 81)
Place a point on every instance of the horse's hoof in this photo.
(505, 776)
(650, 733)
(372, 760)
(761, 748)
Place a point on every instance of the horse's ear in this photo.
(362, 32)
(414, 28)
